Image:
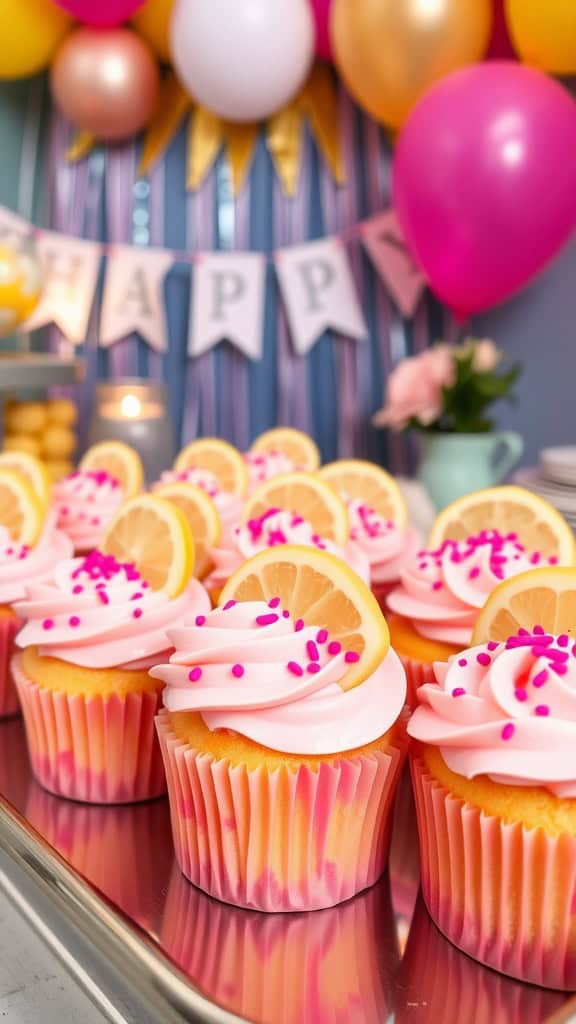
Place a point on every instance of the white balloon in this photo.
(242, 59)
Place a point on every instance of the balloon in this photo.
(30, 31)
(242, 59)
(20, 283)
(321, 12)
(390, 51)
(544, 33)
(483, 181)
(153, 22)
(102, 13)
(105, 82)
(500, 46)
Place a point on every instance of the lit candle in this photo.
(134, 411)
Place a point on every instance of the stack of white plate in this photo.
(554, 479)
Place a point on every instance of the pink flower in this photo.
(415, 388)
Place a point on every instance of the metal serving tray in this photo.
(100, 884)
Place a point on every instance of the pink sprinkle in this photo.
(195, 674)
(285, 614)
(228, 605)
(492, 645)
(312, 651)
(73, 620)
(334, 647)
(560, 669)
(321, 636)
(542, 709)
(298, 625)
(474, 573)
(295, 668)
(539, 630)
(274, 602)
(313, 668)
(200, 620)
(563, 640)
(523, 632)
(462, 662)
(9, 551)
(535, 558)
(48, 624)
(237, 671)
(266, 620)
(136, 597)
(520, 694)
(64, 511)
(483, 658)
(508, 731)
(136, 614)
(553, 560)
(437, 585)
(95, 521)
(351, 657)
(77, 589)
(458, 691)
(540, 678)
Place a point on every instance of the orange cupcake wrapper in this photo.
(283, 840)
(100, 750)
(502, 893)
(9, 703)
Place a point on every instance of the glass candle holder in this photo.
(135, 411)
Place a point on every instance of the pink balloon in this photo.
(321, 12)
(484, 181)
(102, 13)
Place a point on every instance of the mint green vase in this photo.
(455, 464)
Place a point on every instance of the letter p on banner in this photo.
(227, 302)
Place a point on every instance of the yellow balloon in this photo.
(153, 22)
(30, 31)
(20, 285)
(390, 51)
(544, 33)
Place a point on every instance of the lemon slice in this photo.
(202, 517)
(152, 534)
(369, 483)
(306, 496)
(22, 512)
(32, 469)
(120, 461)
(539, 526)
(541, 597)
(320, 589)
(220, 458)
(294, 444)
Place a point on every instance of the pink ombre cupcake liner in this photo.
(9, 703)
(100, 750)
(502, 893)
(417, 673)
(283, 840)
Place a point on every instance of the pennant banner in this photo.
(133, 298)
(384, 242)
(319, 292)
(12, 226)
(70, 269)
(227, 302)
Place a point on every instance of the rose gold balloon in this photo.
(105, 81)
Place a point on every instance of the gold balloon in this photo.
(544, 33)
(20, 283)
(105, 81)
(390, 51)
(153, 22)
(30, 31)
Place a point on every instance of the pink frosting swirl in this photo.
(442, 591)
(506, 710)
(387, 547)
(85, 502)
(229, 505)
(275, 527)
(98, 613)
(264, 465)
(22, 567)
(251, 668)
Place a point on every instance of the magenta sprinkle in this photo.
(540, 678)
(312, 651)
(538, 630)
(136, 614)
(295, 668)
(73, 620)
(563, 640)
(458, 691)
(298, 625)
(274, 602)
(492, 645)
(542, 709)
(48, 624)
(238, 671)
(228, 605)
(474, 573)
(508, 731)
(195, 674)
(334, 647)
(95, 521)
(77, 589)
(266, 620)
(462, 662)
(351, 657)
(103, 596)
(437, 585)
(553, 560)
(483, 658)
(520, 694)
(321, 636)
(200, 620)
(313, 668)
(285, 614)
(559, 669)
(523, 632)
(137, 596)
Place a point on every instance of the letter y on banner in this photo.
(319, 292)
(227, 302)
(384, 242)
(134, 297)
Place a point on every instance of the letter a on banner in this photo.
(70, 268)
(319, 292)
(133, 296)
(227, 302)
(384, 242)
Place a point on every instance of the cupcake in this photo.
(320, 968)
(388, 547)
(228, 505)
(494, 776)
(280, 450)
(22, 566)
(265, 465)
(89, 638)
(85, 503)
(282, 743)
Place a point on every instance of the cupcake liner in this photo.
(9, 703)
(99, 750)
(280, 840)
(14, 764)
(381, 591)
(504, 894)
(417, 673)
(316, 968)
(456, 990)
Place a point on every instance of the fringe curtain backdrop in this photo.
(333, 391)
